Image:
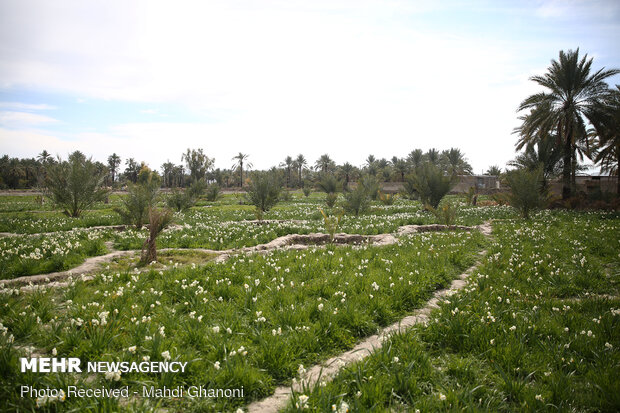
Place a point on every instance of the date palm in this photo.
(324, 163)
(114, 161)
(301, 163)
(573, 95)
(240, 159)
(607, 130)
(288, 164)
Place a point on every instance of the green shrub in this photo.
(329, 184)
(141, 196)
(307, 190)
(371, 186)
(527, 190)
(75, 185)
(331, 199)
(263, 191)
(213, 192)
(285, 195)
(356, 201)
(431, 184)
(387, 199)
(445, 214)
(158, 220)
(409, 187)
(179, 200)
(331, 224)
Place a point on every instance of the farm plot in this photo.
(536, 329)
(250, 321)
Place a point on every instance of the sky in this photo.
(271, 78)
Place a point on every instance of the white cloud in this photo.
(26, 106)
(271, 78)
(12, 119)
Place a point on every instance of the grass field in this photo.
(536, 328)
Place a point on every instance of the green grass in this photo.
(284, 309)
(532, 331)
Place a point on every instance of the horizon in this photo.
(148, 80)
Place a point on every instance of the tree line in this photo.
(25, 173)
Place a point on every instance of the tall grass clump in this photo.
(331, 186)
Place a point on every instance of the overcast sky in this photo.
(275, 78)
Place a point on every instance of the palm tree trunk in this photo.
(566, 169)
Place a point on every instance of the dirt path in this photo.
(327, 370)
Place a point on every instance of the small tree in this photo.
(213, 192)
(141, 197)
(75, 184)
(431, 184)
(331, 224)
(356, 201)
(386, 199)
(409, 187)
(371, 186)
(263, 192)
(159, 219)
(527, 191)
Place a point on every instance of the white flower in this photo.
(166, 355)
(303, 402)
(539, 397)
(608, 346)
(131, 349)
(54, 352)
(216, 365)
(492, 341)
(301, 370)
(513, 328)
(216, 329)
(320, 307)
(395, 360)
(442, 396)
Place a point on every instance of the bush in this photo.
(371, 186)
(445, 214)
(356, 201)
(179, 200)
(431, 184)
(263, 191)
(141, 197)
(331, 224)
(285, 195)
(409, 187)
(75, 184)
(307, 190)
(471, 197)
(329, 184)
(213, 192)
(331, 199)
(387, 199)
(196, 190)
(527, 190)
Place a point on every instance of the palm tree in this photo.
(240, 159)
(432, 156)
(300, 162)
(114, 161)
(415, 158)
(544, 154)
(44, 157)
(455, 162)
(494, 170)
(401, 167)
(324, 163)
(167, 169)
(347, 170)
(573, 93)
(288, 164)
(607, 129)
